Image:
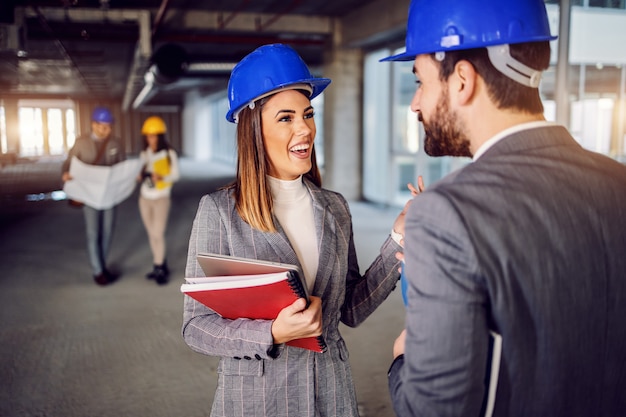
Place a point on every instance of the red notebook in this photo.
(259, 296)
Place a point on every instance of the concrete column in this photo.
(342, 120)
(561, 93)
(12, 126)
(196, 122)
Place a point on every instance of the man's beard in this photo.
(444, 136)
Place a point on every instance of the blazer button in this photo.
(258, 358)
(247, 358)
(237, 357)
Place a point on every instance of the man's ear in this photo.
(464, 82)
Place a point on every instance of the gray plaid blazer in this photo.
(297, 382)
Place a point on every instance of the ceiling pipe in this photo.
(135, 78)
(143, 51)
(222, 23)
(159, 16)
(168, 63)
(210, 68)
(270, 21)
(235, 39)
(146, 92)
(195, 20)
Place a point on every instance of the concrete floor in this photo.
(69, 348)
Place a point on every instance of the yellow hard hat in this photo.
(153, 125)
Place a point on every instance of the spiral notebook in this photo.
(248, 294)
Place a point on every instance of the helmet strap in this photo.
(501, 58)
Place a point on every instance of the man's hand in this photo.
(398, 345)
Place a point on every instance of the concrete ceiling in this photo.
(149, 52)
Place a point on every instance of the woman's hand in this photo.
(420, 186)
(297, 321)
(398, 225)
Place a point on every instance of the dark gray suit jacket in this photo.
(298, 382)
(529, 241)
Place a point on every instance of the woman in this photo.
(277, 211)
(160, 171)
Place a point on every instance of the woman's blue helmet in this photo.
(101, 115)
(267, 70)
(448, 25)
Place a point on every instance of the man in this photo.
(528, 241)
(98, 148)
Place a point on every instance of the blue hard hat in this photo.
(448, 25)
(101, 115)
(266, 70)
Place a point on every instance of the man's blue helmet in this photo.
(267, 70)
(101, 115)
(448, 25)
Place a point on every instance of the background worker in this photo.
(98, 147)
(160, 172)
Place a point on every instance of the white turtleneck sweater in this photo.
(293, 207)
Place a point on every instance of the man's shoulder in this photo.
(84, 138)
(83, 143)
(116, 141)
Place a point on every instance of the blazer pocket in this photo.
(248, 367)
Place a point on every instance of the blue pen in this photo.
(403, 284)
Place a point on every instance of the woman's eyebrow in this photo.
(285, 111)
(293, 111)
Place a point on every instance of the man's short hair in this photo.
(505, 92)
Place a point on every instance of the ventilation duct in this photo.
(170, 63)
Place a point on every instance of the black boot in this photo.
(161, 273)
(152, 274)
(165, 268)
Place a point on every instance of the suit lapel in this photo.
(326, 239)
(279, 242)
(278, 247)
